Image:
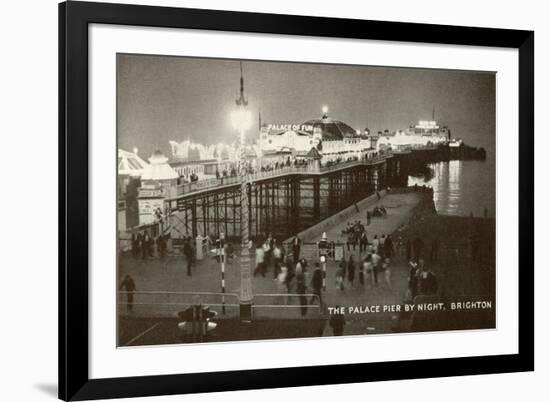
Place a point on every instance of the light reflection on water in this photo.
(461, 187)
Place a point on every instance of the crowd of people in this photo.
(379, 211)
(356, 236)
(289, 270)
(379, 252)
(231, 172)
(294, 275)
(339, 159)
(269, 165)
(421, 281)
(189, 178)
(272, 165)
(353, 158)
(145, 246)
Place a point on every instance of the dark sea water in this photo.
(461, 187)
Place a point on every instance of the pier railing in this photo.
(226, 305)
(168, 304)
(310, 168)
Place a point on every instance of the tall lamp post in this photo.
(241, 121)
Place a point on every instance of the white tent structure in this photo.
(159, 169)
(130, 164)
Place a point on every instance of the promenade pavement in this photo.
(169, 275)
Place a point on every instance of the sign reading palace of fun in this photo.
(290, 127)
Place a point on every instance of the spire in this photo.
(433, 113)
(259, 119)
(241, 101)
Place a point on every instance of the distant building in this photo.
(327, 135)
(287, 139)
(130, 169)
(158, 181)
(190, 158)
(130, 164)
(159, 170)
(425, 133)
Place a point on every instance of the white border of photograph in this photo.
(108, 361)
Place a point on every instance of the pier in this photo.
(282, 202)
(289, 199)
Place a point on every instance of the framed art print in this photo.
(257, 200)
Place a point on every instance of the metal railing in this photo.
(286, 305)
(168, 304)
(311, 168)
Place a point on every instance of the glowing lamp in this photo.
(241, 120)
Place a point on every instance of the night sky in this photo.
(176, 98)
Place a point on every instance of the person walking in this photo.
(351, 239)
(363, 241)
(304, 264)
(389, 249)
(340, 275)
(130, 286)
(381, 245)
(148, 241)
(290, 266)
(188, 254)
(296, 245)
(351, 270)
(277, 260)
(361, 274)
(427, 280)
(229, 252)
(282, 284)
(375, 244)
(382, 242)
(260, 255)
(299, 274)
(161, 248)
(301, 290)
(368, 270)
(143, 245)
(387, 272)
(413, 279)
(135, 245)
(317, 284)
(337, 322)
(267, 255)
(375, 266)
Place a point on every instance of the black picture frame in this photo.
(74, 18)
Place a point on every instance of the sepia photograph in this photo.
(263, 200)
